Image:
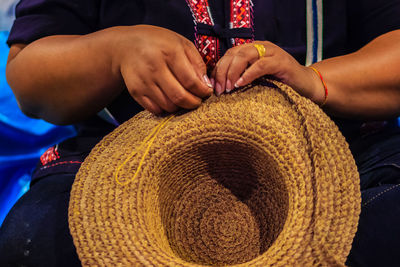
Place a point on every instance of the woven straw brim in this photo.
(259, 177)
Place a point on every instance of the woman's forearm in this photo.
(365, 84)
(361, 85)
(63, 79)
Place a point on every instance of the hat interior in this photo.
(221, 202)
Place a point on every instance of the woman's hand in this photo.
(162, 70)
(242, 64)
(69, 78)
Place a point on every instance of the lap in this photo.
(377, 239)
(36, 229)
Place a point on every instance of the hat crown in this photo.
(256, 178)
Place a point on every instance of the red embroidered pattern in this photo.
(50, 155)
(241, 17)
(60, 163)
(207, 45)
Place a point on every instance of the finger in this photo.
(212, 77)
(218, 89)
(244, 57)
(156, 95)
(263, 66)
(144, 87)
(176, 93)
(197, 63)
(149, 105)
(220, 72)
(185, 73)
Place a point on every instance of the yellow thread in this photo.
(149, 140)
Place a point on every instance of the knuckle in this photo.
(150, 108)
(153, 108)
(249, 74)
(185, 42)
(169, 53)
(142, 52)
(134, 93)
(197, 103)
(259, 67)
(171, 108)
(193, 104)
(229, 52)
(151, 67)
(220, 73)
(189, 47)
(241, 53)
(137, 88)
(246, 76)
(189, 83)
(232, 75)
(133, 89)
(156, 111)
(200, 65)
(178, 99)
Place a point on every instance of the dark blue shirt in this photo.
(346, 25)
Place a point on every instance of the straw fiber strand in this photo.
(260, 177)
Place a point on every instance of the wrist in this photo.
(319, 88)
(115, 47)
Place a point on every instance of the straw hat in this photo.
(259, 177)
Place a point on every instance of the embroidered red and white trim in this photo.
(49, 155)
(207, 45)
(241, 16)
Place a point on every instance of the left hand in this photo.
(241, 65)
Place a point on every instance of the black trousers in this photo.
(35, 232)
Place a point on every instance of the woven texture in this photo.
(260, 177)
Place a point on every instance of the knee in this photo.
(377, 239)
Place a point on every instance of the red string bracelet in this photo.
(323, 83)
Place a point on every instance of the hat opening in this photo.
(222, 202)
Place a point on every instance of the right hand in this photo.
(162, 70)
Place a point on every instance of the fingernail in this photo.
(207, 81)
(212, 82)
(228, 86)
(239, 83)
(218, 89)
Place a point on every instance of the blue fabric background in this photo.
(22, 141)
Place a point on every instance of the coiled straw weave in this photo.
(261, 177)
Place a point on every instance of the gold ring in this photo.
(261, 50)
